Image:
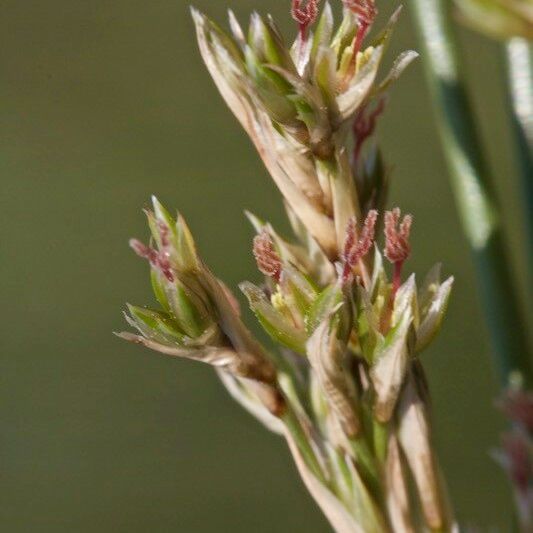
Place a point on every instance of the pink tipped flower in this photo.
(357, 246)
(304, 15)
(365, 12)
(397, 247)
(364, 125)
(266, 257)
(142, 250)
(163, 234)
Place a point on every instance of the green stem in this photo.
(474, 196)
(293, 424)
(381, 436)
(368, 468)
(519, 70)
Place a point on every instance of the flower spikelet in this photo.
(268, 260)
(397, 247)
(304, 15)
(357, 246)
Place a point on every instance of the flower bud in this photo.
(155, 324)
(434, 297)
(397, 494)
(414, 437)
(199, 319)
(390, 366)
(326, 357)
(277, 324)
(295, 115)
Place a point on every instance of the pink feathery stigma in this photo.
(163, 233)
(164, 253)
(365, 12)
(364, 125)
(397, 247)
(158, 259)
(143, 251)
(304, 15)
(518, 407)
(266, 257)
(357, 246)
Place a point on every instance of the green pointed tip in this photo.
(131, 310)
(161, 213)
(149, 317)
(236, 29)
(196, 15)
(257, 223)
(127, 336)
(201, 22)
(272, 321)
(249, 290)
(138, 313)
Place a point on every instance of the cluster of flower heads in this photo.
(302, 106)
(356, 334)
(305, 15)
(357, 244)
(301, 294)
(344, 385)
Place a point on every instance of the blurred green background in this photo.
(103, 103)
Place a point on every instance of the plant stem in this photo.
(293, 424)
(474, 196)
(519, 71)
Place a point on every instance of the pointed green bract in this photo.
(158, 288)
(325, 304)
(185, 248)
(186, 310)
(274, 322)
(156, 324)
(433, 316)
(324, 30)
